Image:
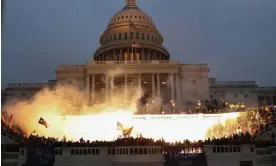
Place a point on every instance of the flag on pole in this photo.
(43, 122)
(119, 126)
(127, 132)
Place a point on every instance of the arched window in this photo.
(120, 36)
(77, 151)
(81, 151)
(137, 35)
(143, 36)
(89, 151)
(125, 35)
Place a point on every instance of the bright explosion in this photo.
(66, 112)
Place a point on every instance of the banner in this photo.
(185, 156)
(39, 154)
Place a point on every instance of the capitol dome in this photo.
(131, 35)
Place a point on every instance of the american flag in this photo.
(136, 45)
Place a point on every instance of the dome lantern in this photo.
(130, 3)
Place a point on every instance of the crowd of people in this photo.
(250, 123)
(235, 139)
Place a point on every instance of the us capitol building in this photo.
(131, 53)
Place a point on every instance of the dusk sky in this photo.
(237, 38)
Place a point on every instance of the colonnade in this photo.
(174, 85)
(129, 54)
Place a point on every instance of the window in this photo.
(114, 37)
(125, 35)
(137, 35)
(152, 38)
(136, 151)
(222, 149)
(236, 95)
(214, 149)
(93, 151)
(234, 149)
(238, 149)
(143, 36)
(126, 150)
(230, 149)
(126, 16)
(89, 151)
(118, 152)
(110, 38)
(245, 95)
(77, 151)
(121, 151)
(122, 17)
(226, 149)
(120, 36)
(131, 150)
(81, 151)
(251, 149)
(139, 17)
(130, 16)
(218, 149)
(147, 36)
(193, 81)
(135, 16)
(145, 151)
(131, 35)
(140, 151)
(109, 151)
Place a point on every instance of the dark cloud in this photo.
(236, 38)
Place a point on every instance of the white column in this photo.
(93, 87)
(87, 87)
(153, 85)
(126, 85)
(178, 91)
(172, 86)
(111, 86)
(158, 85)
(106, 87)
(139, 82)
